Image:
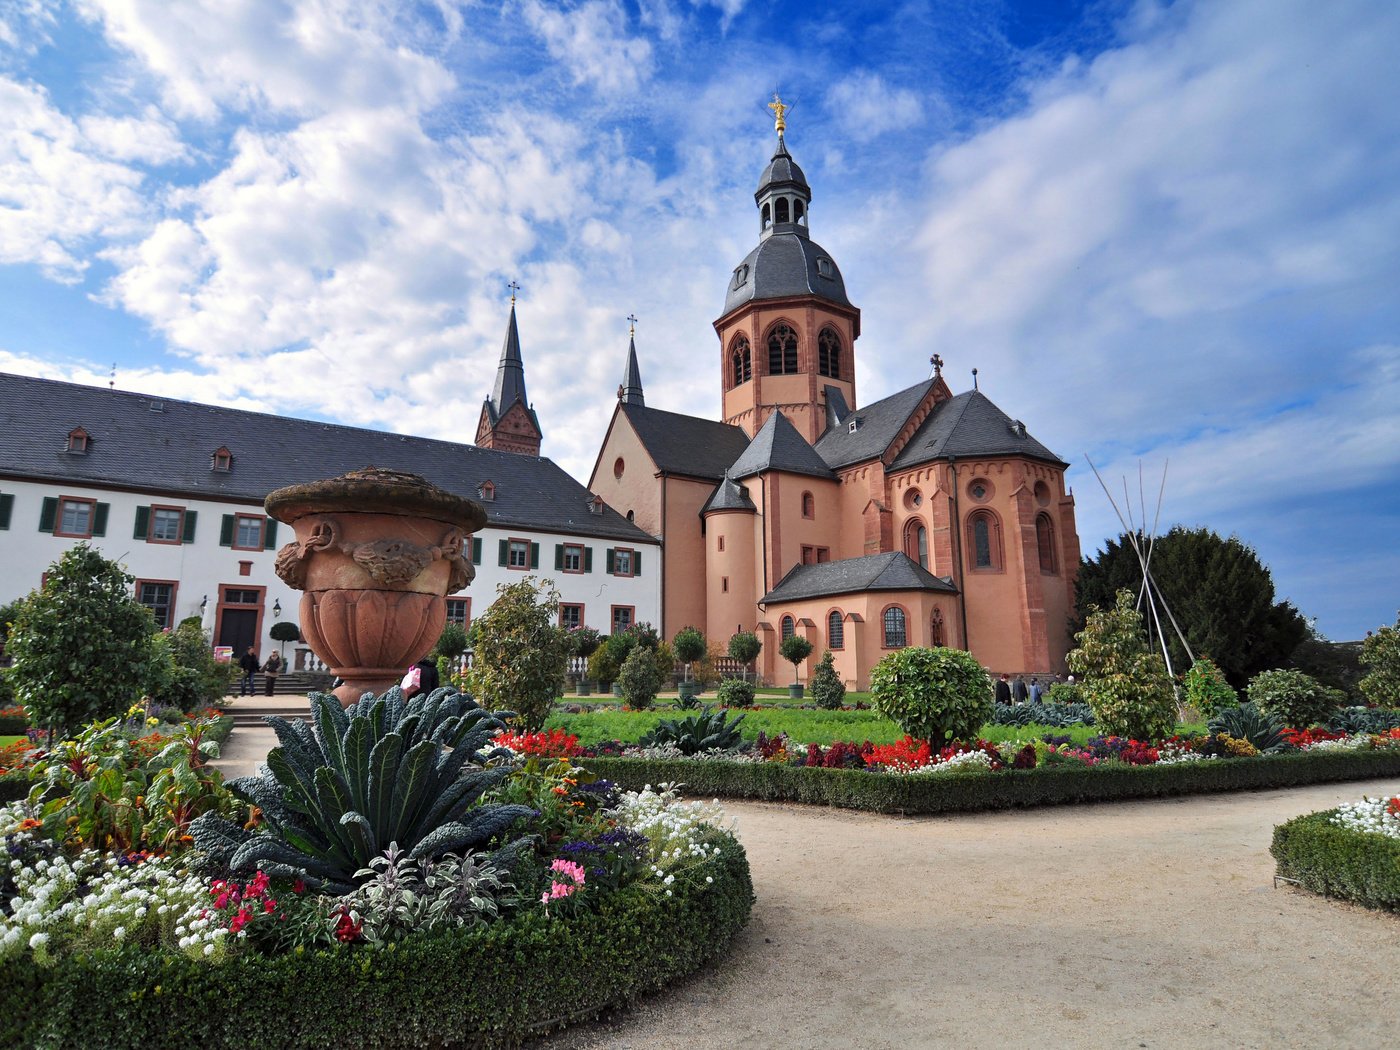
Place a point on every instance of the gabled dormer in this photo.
(221, 461)
(486, 492)
(78, 442)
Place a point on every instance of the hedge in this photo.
(1337, 862)
(13, 725)
(1006, 789)
(491, 987)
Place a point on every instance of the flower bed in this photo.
(1352, 852)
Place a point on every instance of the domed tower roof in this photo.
(781, 170)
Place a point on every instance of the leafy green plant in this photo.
(1065, 693)
(794, 649)
(828, 691)
(1380, 653)
(689, 645)
(639, 678)
(1207, 690)
(81, 646)
(452, 641)
(602, 668)
(336, 793)
(195, 678)
(745, 648)
(1123, 681)
(1248, 722)
(401, 895)
(1364, 720)
(934, 694)
(1297, 699)
(707, 731)
(520, 652)
(735, 692)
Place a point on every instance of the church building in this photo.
(924, 518)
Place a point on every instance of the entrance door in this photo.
(238, 629)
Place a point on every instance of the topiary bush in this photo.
(639, 678)
(1297, 699)
(933, 694)
(1123, 681)
(1064, 693)
(828, 691)
(1207, 690)
(689, 645)
(1380, 654)
(735, 692)
(745, 648)
(794, 649)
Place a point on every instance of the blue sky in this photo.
(1163, 233)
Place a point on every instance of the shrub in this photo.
(283, 631)
(1338, 862)
(745, 648)
(735, 692)
(1380, 653)
(794, 649)
(1248, 722)
(1299, 700)
(602, 668)
(1207, 690)
(1364, 720)
(520, 652)
(933, 694)
(81, 646)
(689, 646)
(337, 792)
(639, 678)
(1064, 693)
(452, 642)
(1124, 682)
(828, 691)
(196, 678)
(706, 731)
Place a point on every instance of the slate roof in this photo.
(892, 571)
(781, 170)
(728, 495)
(510, 377)
(784, 264)
(966, 426)
(680, 444)
(879, 423)
(170, 451)
(778, 446)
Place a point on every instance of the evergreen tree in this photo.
(520, 654)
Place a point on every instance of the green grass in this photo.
(6, 741)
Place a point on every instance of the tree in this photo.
(520, 653)
(938, 695)
(451, 643)
(1206, 688)
(828, 691)
(284, 631)
(1123, 681)
(81, 645)
(198, 678)
(794, 649)
(1380, 652)
(745, 648)
(689, 646)
(639, 678)
(1220, 593)
(1294, 698)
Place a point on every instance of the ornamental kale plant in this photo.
(337, 793)
(707, 731)
(1249, 722)
(933, 694)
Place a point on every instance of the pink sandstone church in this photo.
(925, 518)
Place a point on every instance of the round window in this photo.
(1042, 493)
(618, 467)
(980, 490)
(912, 499)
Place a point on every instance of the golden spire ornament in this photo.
(779, 108)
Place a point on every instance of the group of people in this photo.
(1018, 692)
(249, 665)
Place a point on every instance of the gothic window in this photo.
(789, 628)
(780, 210)
(916, 542)
(895, 628)
(984, 541)
(829, 354)
(782, 351)
(809, 505)
(835, 630)
(743, 361)
(935, 634)
(1045, 542)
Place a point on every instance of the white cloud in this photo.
(592, 41)
(866, 107)
(149, 138)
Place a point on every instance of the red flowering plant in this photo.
(903, 756)
(551, 743)
(273, 919)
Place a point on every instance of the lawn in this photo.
(6, 741)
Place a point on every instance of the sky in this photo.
(1167, 235)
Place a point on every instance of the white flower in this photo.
(38, 941)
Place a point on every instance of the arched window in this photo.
(916, 542)
(984, 541)
(788, 628)
(1045, 542)
(743, 361)
(767, 217)
(935, 631)
(798, 215)
(835, 630)
(809, 505)
(782, 351)
(780, 210)
(896, 633)
(829, 353)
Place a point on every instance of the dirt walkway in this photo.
(1131, 925)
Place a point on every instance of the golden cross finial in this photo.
(631, 325)
(779, 108)
(514, 287)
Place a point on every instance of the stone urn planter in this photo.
(376, 554)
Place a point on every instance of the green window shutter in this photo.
(7, 506)
(99, 518)
(270, 534)
(588, 559)
(48, 513)
(505, 551)
(226, 531)
(558, 555)
(188, 535)
(143, 523)
(636, 563)
(476, 550)
(612, 562)
(534, 555)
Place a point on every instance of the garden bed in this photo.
(1359, 866)
(957, 792)
(490, 987)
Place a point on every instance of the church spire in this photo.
(510, 373)
(508, 420)
(630, 392)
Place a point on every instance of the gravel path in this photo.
(1143, 924)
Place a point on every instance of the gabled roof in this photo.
(967, 426)
(892, 571)
(728, 495)
(680, 444)
(168, 449)
(877, 425)
(778, 446)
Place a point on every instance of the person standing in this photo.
(271, 670)
(248, 664)
(1003, 691)
(1018, 690)
(1035, 690)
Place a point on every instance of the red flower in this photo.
(347, 929)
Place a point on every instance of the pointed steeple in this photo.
(630, 393)
(508, 421)
(510, 373)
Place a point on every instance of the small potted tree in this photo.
(284, 631)
(794, 649)
(745, 648)
(689, 646)
(586, 641)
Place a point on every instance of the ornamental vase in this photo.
(376, 554)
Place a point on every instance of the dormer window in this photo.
(78, 441)
(486, 491)
(824, 267)
(222, 460)
(741, 275)
(595, 505)
(853, 426)
(1018, 428)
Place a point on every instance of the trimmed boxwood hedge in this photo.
(13, 725)
(1336, 862)
(1008, 788)
(490, 987)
